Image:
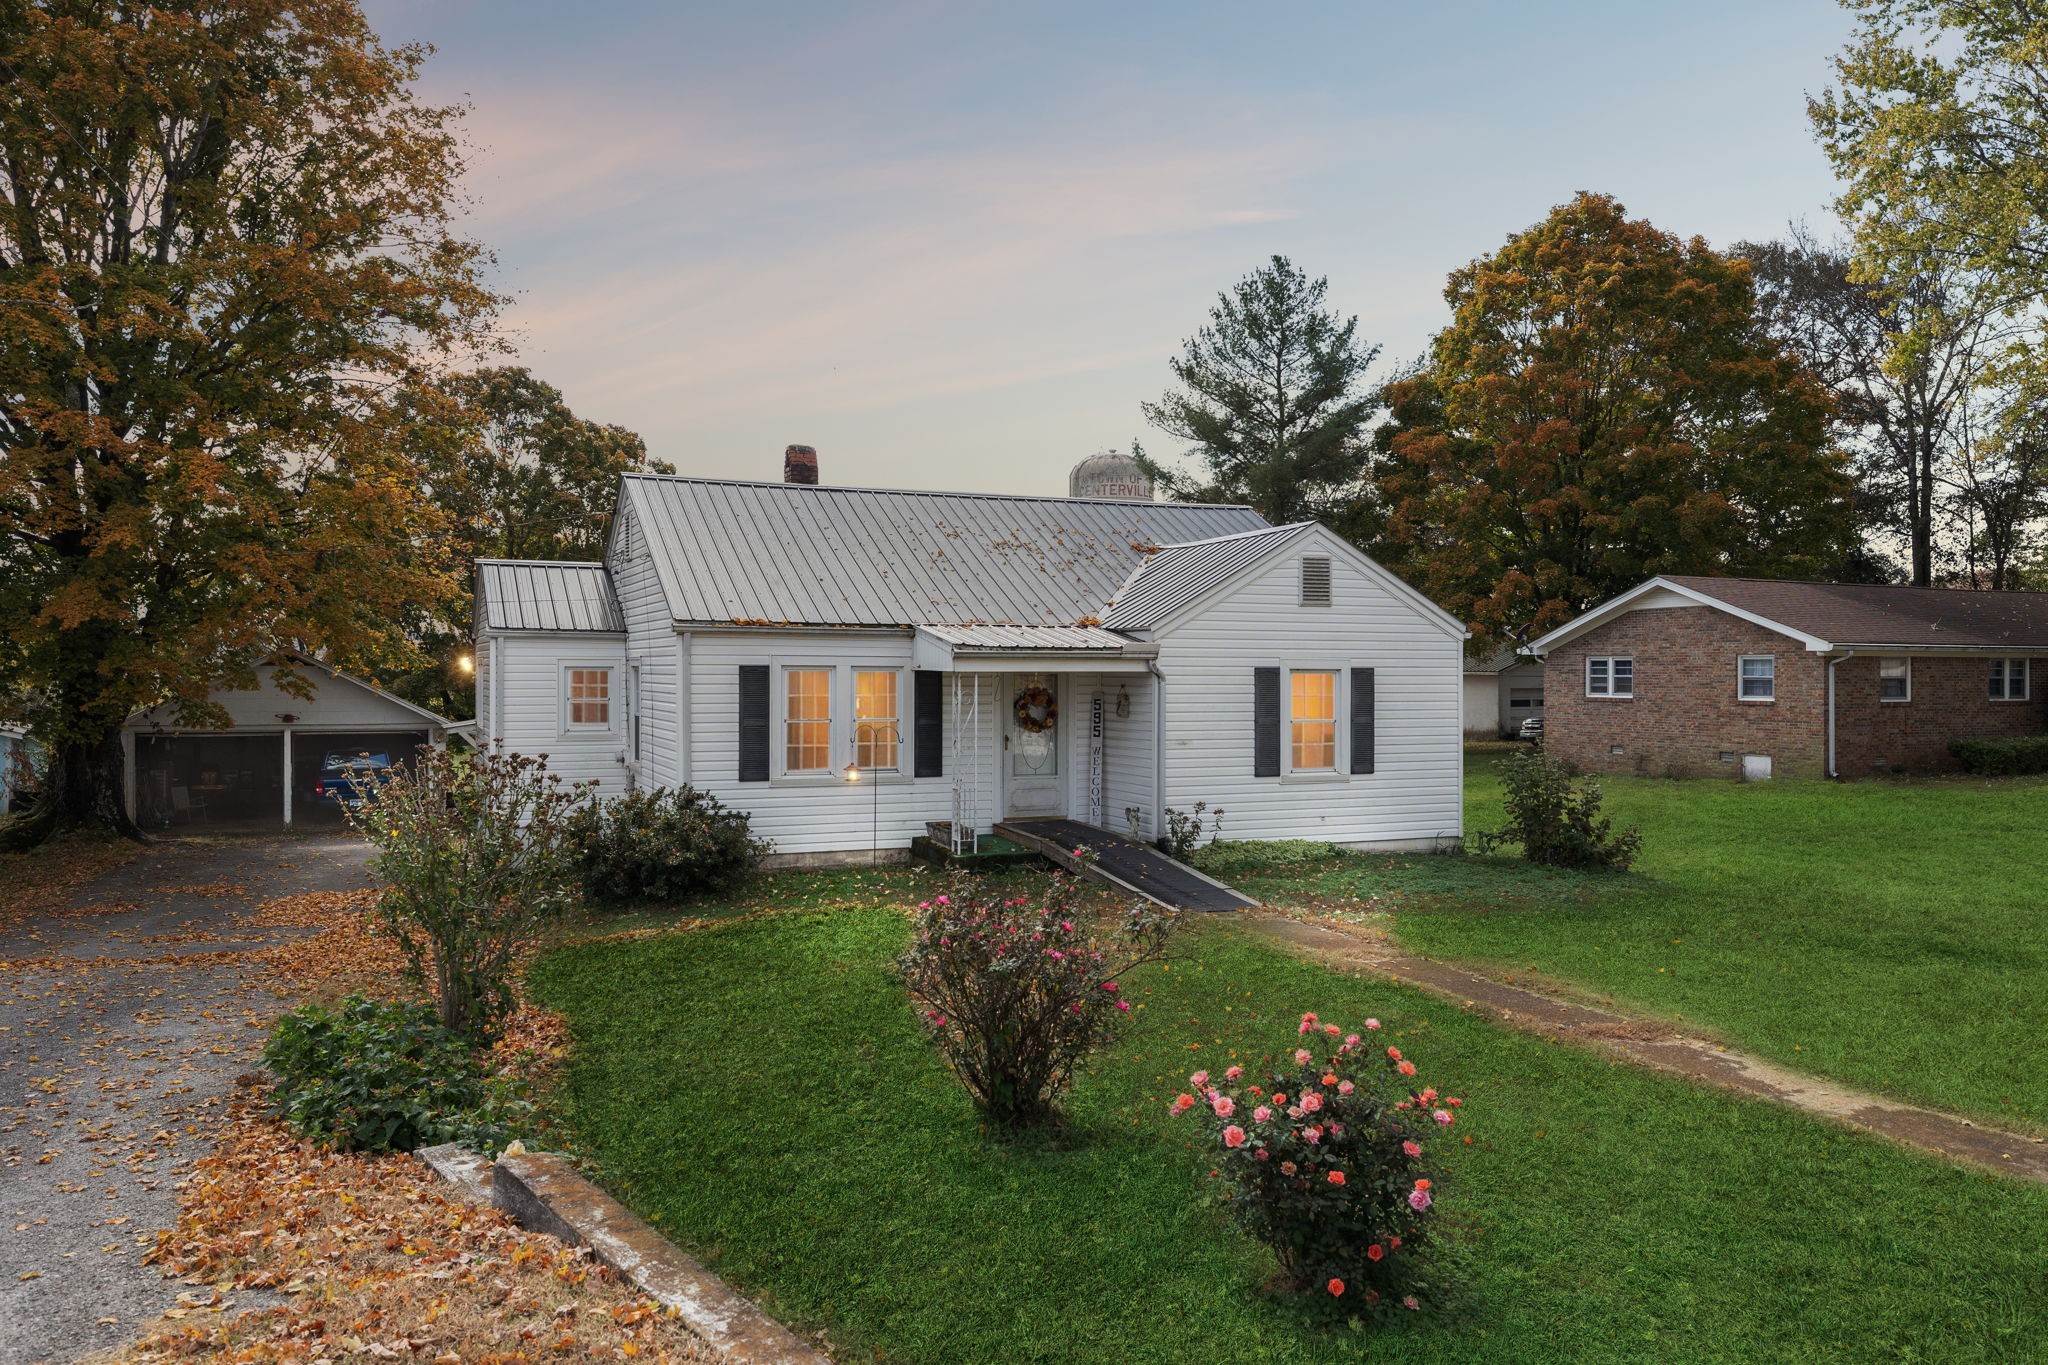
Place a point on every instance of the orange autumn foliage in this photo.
(228, 248)
(1603, 407)
(376, 1260)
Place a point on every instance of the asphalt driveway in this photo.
(124, 1018)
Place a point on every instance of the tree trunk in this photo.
(82, 791)
(1922, 514)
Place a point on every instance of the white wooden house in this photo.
(852, 665)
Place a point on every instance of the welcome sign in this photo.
(1095, 725)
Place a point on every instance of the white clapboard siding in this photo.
(1127, 745)
(821, 814)
(652, 647)
(530, 692)
(1128, 750)
(1414, 796)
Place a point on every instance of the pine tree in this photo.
(1272, 398)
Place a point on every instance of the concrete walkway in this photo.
(1665, 1048)
(125, 1016)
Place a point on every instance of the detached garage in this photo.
(286, 760)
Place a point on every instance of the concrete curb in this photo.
(544, 1192)
(467, 1171)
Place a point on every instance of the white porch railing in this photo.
(966, 761)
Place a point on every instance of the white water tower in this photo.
(1110, 474)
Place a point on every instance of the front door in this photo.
(1033, 783)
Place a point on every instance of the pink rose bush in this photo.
(1333, 1169)
(1016, 991)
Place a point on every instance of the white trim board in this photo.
(1630, 600)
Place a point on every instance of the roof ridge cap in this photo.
(810, 489)
(549, 563)
(1290, 528)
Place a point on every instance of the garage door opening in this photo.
(229, 784)
(209, 782)
(331, 772)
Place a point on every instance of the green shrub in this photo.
(477, 852)
(2002, 757)
(1185, 831)
(662, 845)
(1330, 1163)
(1017, 991)
(1556, 817)
(377, 1077)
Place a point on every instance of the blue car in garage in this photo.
(351, 777)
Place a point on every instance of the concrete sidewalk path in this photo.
(1665, 1048)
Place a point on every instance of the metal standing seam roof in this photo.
(794, 554)
(1178, 574)
(523, 594)
(1006, 638)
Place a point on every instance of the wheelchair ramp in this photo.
(1124, 862)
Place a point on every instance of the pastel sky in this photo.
(953, 245)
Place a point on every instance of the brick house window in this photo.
(2008, 680)
(1758, 680)
(1895, 680)
(1611, 677)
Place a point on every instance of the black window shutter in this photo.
(1361, 720)
(1265, 722)
(753, 722)
(927, 724)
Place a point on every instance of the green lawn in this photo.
(760, 1089)
(1892, 935)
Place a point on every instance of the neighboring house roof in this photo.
(1880, 614)
(524, 594)
(1500, 661)
(1827, 616)
(1178, 574)
(146, 718)
(729, 552)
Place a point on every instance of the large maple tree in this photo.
(227, 247)
(1604, 407)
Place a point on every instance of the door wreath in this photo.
(1037, 710)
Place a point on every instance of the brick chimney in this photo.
(800, 464)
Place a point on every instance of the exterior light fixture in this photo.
(873, 729)
(466, 664)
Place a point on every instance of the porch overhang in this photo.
(1029, 649)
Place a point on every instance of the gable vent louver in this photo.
(1315, 581)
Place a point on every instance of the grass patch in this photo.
(893, 886)
(760, 1090)
(1304, 875)
(1888, 934)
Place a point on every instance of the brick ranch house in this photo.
(1688, 676)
